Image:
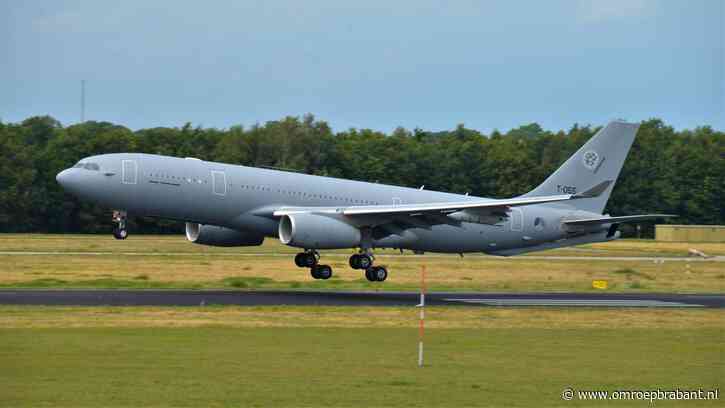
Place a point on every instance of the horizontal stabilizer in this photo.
(595, 191)
(617, 220)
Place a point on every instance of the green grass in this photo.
(160, 244)
(350, 356)
(88, 261)
(310, 366)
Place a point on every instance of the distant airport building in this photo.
(690, 233)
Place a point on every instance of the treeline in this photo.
(680, 172)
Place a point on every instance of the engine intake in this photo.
(315, 231)
(213, 235)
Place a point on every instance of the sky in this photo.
(366, 64)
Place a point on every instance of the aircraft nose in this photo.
(70, 180)
(62, 177)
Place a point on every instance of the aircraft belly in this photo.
(448, 238)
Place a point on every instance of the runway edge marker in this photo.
(421, 326)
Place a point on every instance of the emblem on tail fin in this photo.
(590, 159)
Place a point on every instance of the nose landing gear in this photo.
(120, 231)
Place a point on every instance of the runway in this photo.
(329, 298)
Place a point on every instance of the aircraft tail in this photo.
(599, 160)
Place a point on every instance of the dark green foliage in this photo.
(666, 171)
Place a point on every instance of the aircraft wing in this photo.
(442, 209)
(616, 220)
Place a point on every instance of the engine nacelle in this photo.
(219, 236)
(317, 232)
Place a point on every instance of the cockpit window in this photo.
(87, 166)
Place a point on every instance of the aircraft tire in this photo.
(120, 233)
(324, 271)
(369, 274)
(365, 261)
(380, 273)
(300, 261)
(307, 259)
(355, 261)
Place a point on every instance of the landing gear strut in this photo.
(120, 231)
(310, 259)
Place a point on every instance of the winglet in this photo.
(595, 191)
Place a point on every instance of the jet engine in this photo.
(317, 232)
(219, 236)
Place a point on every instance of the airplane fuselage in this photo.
(243, 198)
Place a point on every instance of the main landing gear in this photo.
(365, 261)
(120, 231)
(310, 259)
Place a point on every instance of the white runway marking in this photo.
(574, 302)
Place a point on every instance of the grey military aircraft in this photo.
(230, 205)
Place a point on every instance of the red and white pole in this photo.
(421, 329)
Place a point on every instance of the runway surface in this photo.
(325, 298)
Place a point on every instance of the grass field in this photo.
(346, 356)
(91, 261)
(319, 356)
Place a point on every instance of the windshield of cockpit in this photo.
(87, 166)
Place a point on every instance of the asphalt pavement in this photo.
(330, 298)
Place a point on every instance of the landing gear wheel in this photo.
(361, 261)
(376, 273)
(120, 233)
(380, 273)
(306, 259)
(355, 261)
(321, 272)
(365, 261)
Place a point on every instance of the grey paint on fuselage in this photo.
(183, 189)
(246, 199)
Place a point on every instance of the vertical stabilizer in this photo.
(599, 160)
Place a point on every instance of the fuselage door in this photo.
(397, 201)
(129, 170)
(517, 219)
(219, 182)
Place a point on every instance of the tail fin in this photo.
(599, 160)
